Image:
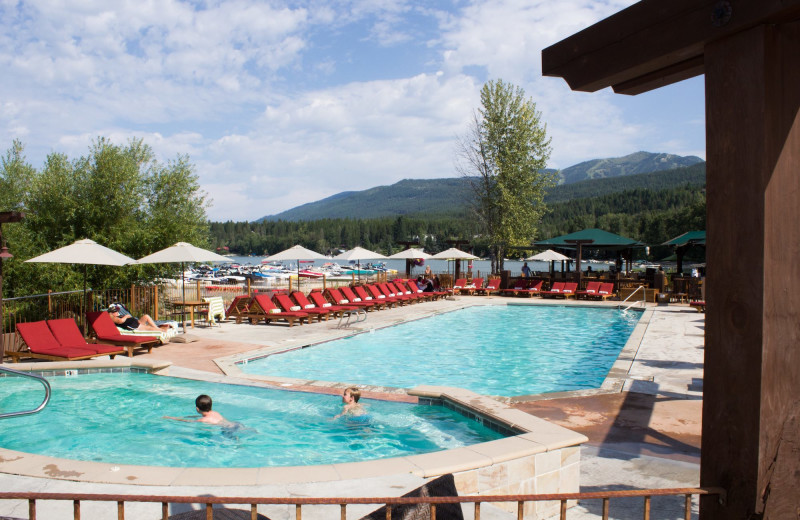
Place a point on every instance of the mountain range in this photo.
(442, 197)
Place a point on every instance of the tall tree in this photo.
(119, 196)
(503, 155)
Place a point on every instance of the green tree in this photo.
(503, 155)
(118, 196)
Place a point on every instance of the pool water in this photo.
(119, 418)
(493, 350)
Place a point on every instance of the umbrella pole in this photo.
(183, 297)
(83, 303)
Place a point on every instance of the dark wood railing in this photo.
(207, 502)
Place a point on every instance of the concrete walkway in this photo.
(646, 436)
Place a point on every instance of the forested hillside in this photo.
(648, 207)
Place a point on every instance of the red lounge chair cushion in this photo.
(68, 334)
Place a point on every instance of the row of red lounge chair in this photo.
(62, 340)
(336, 302)
(533, 287)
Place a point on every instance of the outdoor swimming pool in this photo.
(118, 418)
(492, 350)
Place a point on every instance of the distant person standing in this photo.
(526, 271)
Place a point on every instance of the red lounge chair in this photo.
(590, 291)
(262, 308)
(106, 331)
(68, 334)
(352, 297)
(377, 295)
(458, 285)
(519, 285)
(337, 310)
(389, 292)
(553, 291)
(700, 305)
(412, 288)
(287, 305)
(307, 306)
(41, 344)
(238, 307)
(401, 290)
(492, 286)
(475, 285)
(605, 291)
(339, 299)
(569, 290)
(362, 293)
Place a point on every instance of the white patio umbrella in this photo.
(549, 256)
(296, 252)
(358, 254)
(453, 254)
(85, 252)
(182, 253)
(411, 254)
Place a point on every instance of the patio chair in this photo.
(215, 311)
(348, 293)
(605, 291)
(377, 295)
(362, 293)
(339, 299)
(413, 289)
(287, 305)
(553, 291)
(395, 293)
(458, 285)
(401, 290)
(699, 305)
(590, 291)
(106, 331)
(476, 285)
(67, 333)
(301, 300)
(262, 308)
(492, 286)
(39, 343)
(238, 307)
(337, 309)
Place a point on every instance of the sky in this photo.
(281, 103)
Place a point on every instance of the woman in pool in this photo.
(129, 322)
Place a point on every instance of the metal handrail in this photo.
(42, 380)
(643, 300)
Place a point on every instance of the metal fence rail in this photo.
(209, 501)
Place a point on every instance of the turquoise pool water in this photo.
(493, 350)
(118, 418)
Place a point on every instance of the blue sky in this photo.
(282, 103)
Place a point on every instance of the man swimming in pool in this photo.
(351, 407)
(203, 405)
(129, 322)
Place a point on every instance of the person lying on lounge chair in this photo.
(127, 321)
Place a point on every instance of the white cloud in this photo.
(255, 94)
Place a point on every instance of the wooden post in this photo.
(249, 288)
(750, 433)
(155, 301)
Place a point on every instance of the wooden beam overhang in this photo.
(655, 43)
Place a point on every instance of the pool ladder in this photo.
(32, 376)
(643, 301)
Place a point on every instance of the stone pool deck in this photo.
(646, 435)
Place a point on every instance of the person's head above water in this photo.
(203, 403)
(354, 392)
